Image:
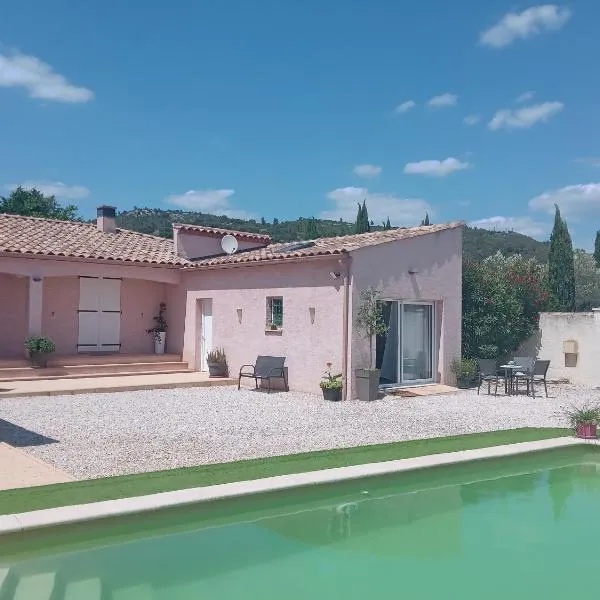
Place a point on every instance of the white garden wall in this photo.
(580, 367)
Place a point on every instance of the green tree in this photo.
(363, 225)
(502, 299)
(32, 203)
(587, 281)
(561, 267)
(425, 221)
(387, 225)
(311, 232)
(597, 249)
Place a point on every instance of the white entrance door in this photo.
(205, 312)
(99, 314)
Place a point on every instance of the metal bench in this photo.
(265, 369)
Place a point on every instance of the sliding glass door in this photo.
(405, 353)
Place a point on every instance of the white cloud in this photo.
(532, 21)
(576, 200)
(405, 106)
(524, 97)
(39, 79)
(54, 188)
(209, 201)
(471, 119)
(436, 168)
(523, 118)
(401, 211)
(367, 171)
(524, 225)
(442, 100)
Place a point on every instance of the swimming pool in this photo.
(518, 527)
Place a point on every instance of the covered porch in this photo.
(86, 308)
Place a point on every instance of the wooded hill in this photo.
(477, 243)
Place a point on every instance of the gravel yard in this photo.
(94, 435)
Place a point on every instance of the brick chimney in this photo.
(105, 220)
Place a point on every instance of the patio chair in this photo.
(265, 369)
(487, 371)
(537, 375)
(527, 362)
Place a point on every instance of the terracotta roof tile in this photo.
(323, 246)
(242, 235)
(47, 237)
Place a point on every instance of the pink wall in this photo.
(307, 346)
(176, 297)
(139, 304)
(13, 315)
(438, 259)
(59, 317)
(196, 244)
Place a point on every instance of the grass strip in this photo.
(140, 484)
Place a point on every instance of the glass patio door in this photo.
(405, 353)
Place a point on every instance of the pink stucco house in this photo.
(96, 288)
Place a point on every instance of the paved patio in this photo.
(94, 435)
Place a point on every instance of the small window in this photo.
(275, 311)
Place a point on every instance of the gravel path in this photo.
(107, 434)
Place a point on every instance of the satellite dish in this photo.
(229, 244)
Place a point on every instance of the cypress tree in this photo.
(362, 219)
(425, 221)
(386, 224)
(597, 249)
(561, 267)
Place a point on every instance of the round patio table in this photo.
(509, 377)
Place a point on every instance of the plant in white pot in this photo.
(38, 348)
(370, 322)
(159, 331)
(217, 363)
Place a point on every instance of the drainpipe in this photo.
(345, 266)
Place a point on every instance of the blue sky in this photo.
(481, 111)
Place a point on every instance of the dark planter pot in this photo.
(464, 383)
(217, 370)
(39, 360)
(332, 394)
(367, 384)
(587, 431)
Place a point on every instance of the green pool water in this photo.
(524, 527)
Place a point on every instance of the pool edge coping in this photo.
(79, 513)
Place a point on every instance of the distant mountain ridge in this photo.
(477, 243)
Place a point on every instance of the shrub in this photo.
(331, 382)
(39, 345)
(216, 357)
(587, 414)
(464, 368)
(502, 299)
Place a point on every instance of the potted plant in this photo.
(584, 420)
(369, 320)
(331, 385)
(38, 348)
(159, 331)
(217, 363)
(465, 371)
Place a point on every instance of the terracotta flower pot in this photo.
(587, 431)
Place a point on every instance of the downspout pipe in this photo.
(345, 268)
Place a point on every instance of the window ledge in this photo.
(269, 331)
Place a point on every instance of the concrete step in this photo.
(89, 589)
(95, 370)
(39, 586)
(96, 358)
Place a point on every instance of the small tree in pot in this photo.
(584, 420)
(331, 385)
(369, 320)
(465, 371)
(159, 331)
(217, 363)
(38, 348)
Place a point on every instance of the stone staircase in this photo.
(86, 365)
